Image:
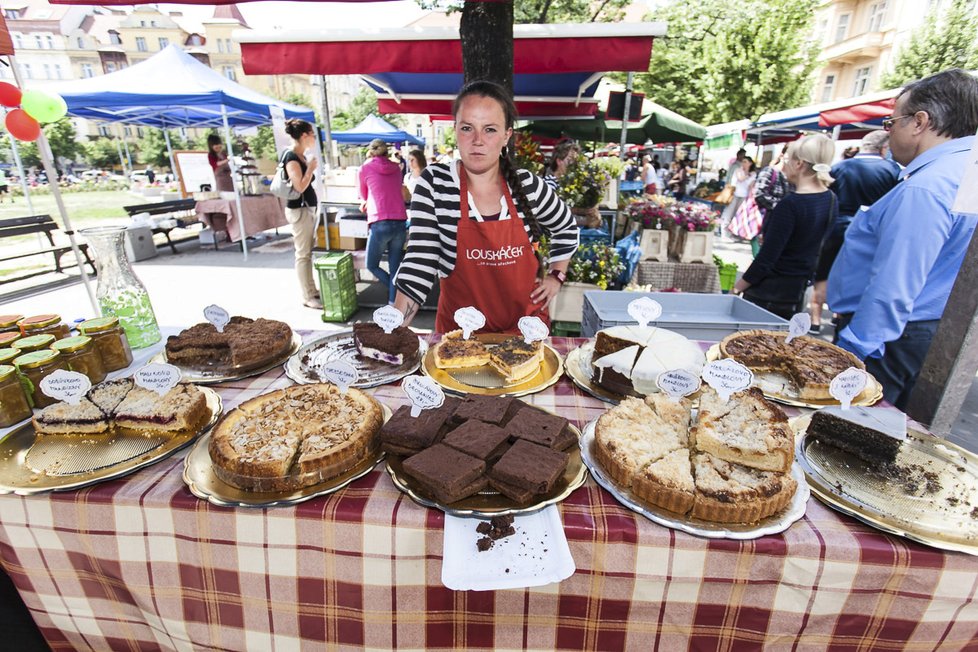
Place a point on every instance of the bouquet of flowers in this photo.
(656, 213)
(583, 184)
(693, 216)
(596, 263)
(527, 154)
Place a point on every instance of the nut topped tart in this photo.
(295, 437)
(455, 352)
(810, 363)
(245, 343)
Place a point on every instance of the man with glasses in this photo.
(901, 255)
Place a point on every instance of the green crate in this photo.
(728, 276)
(565, 329)
(337, 287)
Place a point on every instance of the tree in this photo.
(728, 61)
(568, 11)
(486, 33)
(364, 103)
(942, 42)
(102, 153)
(152, 147)
(263, 143)
(62, 136)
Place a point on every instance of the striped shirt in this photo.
(434, 216)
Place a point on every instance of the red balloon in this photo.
(21, 126)
(9, 95)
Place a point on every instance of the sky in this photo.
(269, 15)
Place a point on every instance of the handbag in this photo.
(281, 186)
(725, 196)
(746, 222)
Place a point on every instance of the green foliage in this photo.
(102, 153)
(448, 137)
(28, 152)
(595, 263)
(263, 143)
(943, 41)
(152, 147)
(550, 11)
(364, 103)
(61, 136)
(726, 61)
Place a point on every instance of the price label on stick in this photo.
(848, 385)
(533, 329)
(799, 325)
(157, 377)
(388, 318)
(341, 373)
(645, 310)
(677, 383)
(425, 394)
(470, 320)
(727, 376)
(67, 386)
(218, 316)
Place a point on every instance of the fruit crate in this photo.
(337, 287)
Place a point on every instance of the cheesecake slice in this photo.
(667, 483)
(733, 493)
(747, 429)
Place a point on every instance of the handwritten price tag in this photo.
(533, 329)
(677, 383)
(727, 376)
(341, 373)
(645, 310)
(388, 318)
(67, 386)
(425, 394)
(798, 326)
(848, 385)
(217, 316)
(470, 320)
(157, 377)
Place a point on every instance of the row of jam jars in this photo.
(14, 404)
(34, 366)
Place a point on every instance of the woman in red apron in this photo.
(496, 267)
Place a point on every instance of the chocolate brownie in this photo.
(482, 440)
(530, 466)
(518, 495)
(447, 473)
(407, 435)
(489, 409)
(394, 348)
(539, 427)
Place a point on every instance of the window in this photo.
(139, 132)
(114, 37)
(57, 71)
(142, 23)
(87, 71)
(863, 76)
(128, 131)
(228, 71)
(11, 14)
(37, 42)
(828, 88)
(228, 46)
(163, 41)
(842, 28)
(141, 44)
(110, 66)
(103, 130)
(25, 69)
(821, 30)
(18, 42)
(81, 43)
(877, 13)
(47, 71)
(220, 45)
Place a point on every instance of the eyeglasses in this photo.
(889, 122)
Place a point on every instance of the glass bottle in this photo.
(43, 324)
(120, 292)
(33, 367)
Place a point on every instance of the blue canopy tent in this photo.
(373, 127)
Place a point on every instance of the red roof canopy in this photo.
(865, 112)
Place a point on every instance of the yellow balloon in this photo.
(43, 107)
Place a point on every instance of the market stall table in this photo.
(261, 212)
(140, 563)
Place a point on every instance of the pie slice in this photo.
(747, 429)
(667, 483)
(109, 394)
(65, 419)
(515, 359)
(732, 493)
(182, 408)
(455, 352)
(631, 436)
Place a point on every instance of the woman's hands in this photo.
(545, 290)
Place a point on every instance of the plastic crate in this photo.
(337, 286)
(565, 329)
(709, 317)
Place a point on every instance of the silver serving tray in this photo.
(771, 525)
(303, 366)
(227, 374)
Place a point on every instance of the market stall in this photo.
(261, 213)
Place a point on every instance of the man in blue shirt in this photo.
(901, 256)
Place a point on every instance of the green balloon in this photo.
(43, 107)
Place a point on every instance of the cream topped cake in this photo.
(627, 360)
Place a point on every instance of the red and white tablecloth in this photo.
(261, 213)
(140, 564)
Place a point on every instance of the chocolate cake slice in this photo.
(450, 475)
(539, 427)
(530, 466)
(871, 434)
(488, 409)
(407, 435)
(518, 495)
(394, 348)
(482, 440)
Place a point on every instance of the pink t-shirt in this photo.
(380, 186)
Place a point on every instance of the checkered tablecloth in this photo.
(140, 564)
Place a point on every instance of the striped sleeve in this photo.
(425, 253)
(554, 216)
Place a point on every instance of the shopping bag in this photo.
(746, 222)
(281, 186)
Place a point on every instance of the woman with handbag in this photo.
(301, 211)
(793, 232)
(743, 180)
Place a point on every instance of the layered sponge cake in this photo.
(627, 360)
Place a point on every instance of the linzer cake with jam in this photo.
(244, 344)
(394, 348)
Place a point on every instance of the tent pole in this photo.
(234, 172)
(328, 127)
(169, 151)
(624, 117)
(836, 130)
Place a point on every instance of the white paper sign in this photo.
(388, 318)
(645, 310)
(157, 377)
(217, 316)
(425, 394)
(67, 386)
(966, 201)
(677, 383)
(799, 325)
(341, 373)
(727, 376)
(469, 319)
(533, 329)
(848, 385)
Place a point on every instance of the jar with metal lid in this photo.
(43, 324)
(33, 367)
(34, 343)
(14, 406)
(8, 339)
(7, 355)
(110, 341)
(80, 354)
(8, 323)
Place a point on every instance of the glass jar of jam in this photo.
(7, 339)
(33, 343)
(8, 323)
(110, 341)
(7, 355)
(14, 406)
(33, 367)
(39, 324)
(80, 354)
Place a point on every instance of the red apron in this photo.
(495, 270)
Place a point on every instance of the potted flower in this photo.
(655, 217)
(693, 226)
(595, 266)
(581, 187)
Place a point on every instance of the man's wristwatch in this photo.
(559, 275)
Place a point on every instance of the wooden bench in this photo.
(181, 210)
(16, 226)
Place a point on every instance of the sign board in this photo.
(194, 171)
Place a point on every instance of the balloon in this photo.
(22, 126)
(9, 95)
(43, 107)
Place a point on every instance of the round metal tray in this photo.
(303, 365)
(226, 374)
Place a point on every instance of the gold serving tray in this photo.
(30, 464)
(946, 519)
(199, 476)
(302, 366)
(485, 381)
(226, 374)
(778, 388)
(489, 502)
(574, 368)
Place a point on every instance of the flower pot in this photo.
(655, 245)
(697, 247)
(568, 305)
(610, 199)
(677, 237)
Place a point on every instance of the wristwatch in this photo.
(559, 275)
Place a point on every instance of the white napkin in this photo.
(536, 555)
